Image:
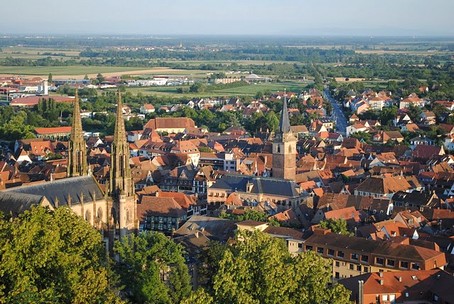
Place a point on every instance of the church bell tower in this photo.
(284, 148)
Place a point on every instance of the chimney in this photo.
(380, 274)
(400, 279)
(382, 282)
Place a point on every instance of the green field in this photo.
(246, 90)
(63, 70)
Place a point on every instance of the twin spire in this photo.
(120, 172)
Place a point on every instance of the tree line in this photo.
(57, 257)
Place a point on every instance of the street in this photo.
(337, 115)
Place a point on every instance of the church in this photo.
(280, 188)
(113, 211)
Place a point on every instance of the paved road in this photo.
(337, 115)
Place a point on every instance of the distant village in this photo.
(396, 199)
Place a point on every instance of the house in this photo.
(170, 124)
(349, 214)
(426, 152)
(416, 200)
(356, 127)
(31, 101)
(412, 99)
(53, 133)
(181, 178)
(420, 286)
(160, 214)
(300, 130)
(353, 256)
(147, 108)
(428, 118)
(382, 186)
(449, 105)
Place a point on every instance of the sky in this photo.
(230, 17)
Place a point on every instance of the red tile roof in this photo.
(52, 130)
(31, 101)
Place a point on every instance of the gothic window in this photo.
(88, 216)
(278, 149)
(289, 149)
(128, 216)
(99, 214)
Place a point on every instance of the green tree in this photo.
(99, 78)
(200, 296)
(272, 121)
(152, 268)
(259, 269)
(53, 257)
(414, 112)
(336, 225)
(364, 136)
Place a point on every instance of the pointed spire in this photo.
(76, 127)
(120, 133)
(284, 123)
(77, 150)
(120, 173)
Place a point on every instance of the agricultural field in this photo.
(241, 91)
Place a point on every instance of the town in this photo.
(359, 179)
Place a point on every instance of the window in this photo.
(384, 298)
(309, 248)
(404, 264)
(340, 254)
(379, 261)
(352, 266)
(415, 266)
(300, 245)
(365, 258)
(336, 275)
(366, 269)
(390, 263)
(355, 256)
(331, 252)
(358, 267)
(337, 264)
(320, 250)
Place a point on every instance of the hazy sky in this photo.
(264, 17)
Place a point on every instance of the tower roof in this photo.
(284, 123)
(120, 133)
(76, 130)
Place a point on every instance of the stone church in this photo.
(113, 212)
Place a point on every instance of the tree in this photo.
(364, 136)
(53, 257)
(259, 269)
(49, 78)
(153, 269)
(414, 112)
(200, 296)
(336, 225)
(99, 78)
(272, 121)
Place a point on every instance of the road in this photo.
(337, 115)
